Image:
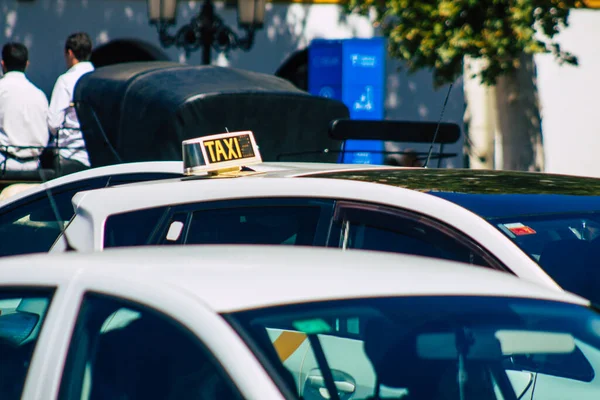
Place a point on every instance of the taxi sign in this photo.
(225, 152)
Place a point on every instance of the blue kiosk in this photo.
(352, 71)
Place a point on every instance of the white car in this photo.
(529, 224)
(295, 204)
(256, 322)
(28, 222)
(497, 219)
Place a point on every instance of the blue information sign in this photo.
(325, 68)
(352, 71)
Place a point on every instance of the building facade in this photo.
(566, 93)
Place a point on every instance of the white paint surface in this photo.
(569, 98)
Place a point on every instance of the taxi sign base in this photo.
(225, 171)
(232, 174)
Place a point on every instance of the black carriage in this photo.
(143, 111)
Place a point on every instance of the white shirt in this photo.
(23, 114)
(62, 118)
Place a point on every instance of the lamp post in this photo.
(207, 30)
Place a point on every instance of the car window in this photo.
(290, 221)
(293, 225)
(254, 221)
(556, 241)
(30, 225)
(382, 229)
(428, 347)
(22, 314)
(573, 365)
(539, 235)
(134, 228)
(123, 350)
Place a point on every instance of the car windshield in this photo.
(428, 348)
(556, 240)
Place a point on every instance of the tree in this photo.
(490, 41)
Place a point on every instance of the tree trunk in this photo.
(519, 120)
(503, 123)
(480, 120)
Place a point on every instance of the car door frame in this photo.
(182, 306)
(339, 228)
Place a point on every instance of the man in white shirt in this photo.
(23, 113)
(62, 118)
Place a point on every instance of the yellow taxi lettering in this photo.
(209, 146)
(232, 154)
(220, 150)
(237, 146)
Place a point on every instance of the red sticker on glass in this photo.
(520, 229)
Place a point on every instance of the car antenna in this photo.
(437, 128)
(54, 208)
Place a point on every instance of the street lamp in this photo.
(207, 30)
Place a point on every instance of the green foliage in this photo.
(438, 34)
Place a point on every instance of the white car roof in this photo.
(234, 278)
(176, 167)
(117, 198)
(290, 169)
(117, 169)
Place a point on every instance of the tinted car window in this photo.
(382, 229)
(294, 225)
(538, 235)
(249, 221)
(21, 317)
(123, 350)
(567, 247)
(134, 228)
(30, 225)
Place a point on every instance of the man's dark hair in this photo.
(80, 44)
(15, 56)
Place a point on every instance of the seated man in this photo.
(23, 113)
(62, 117)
